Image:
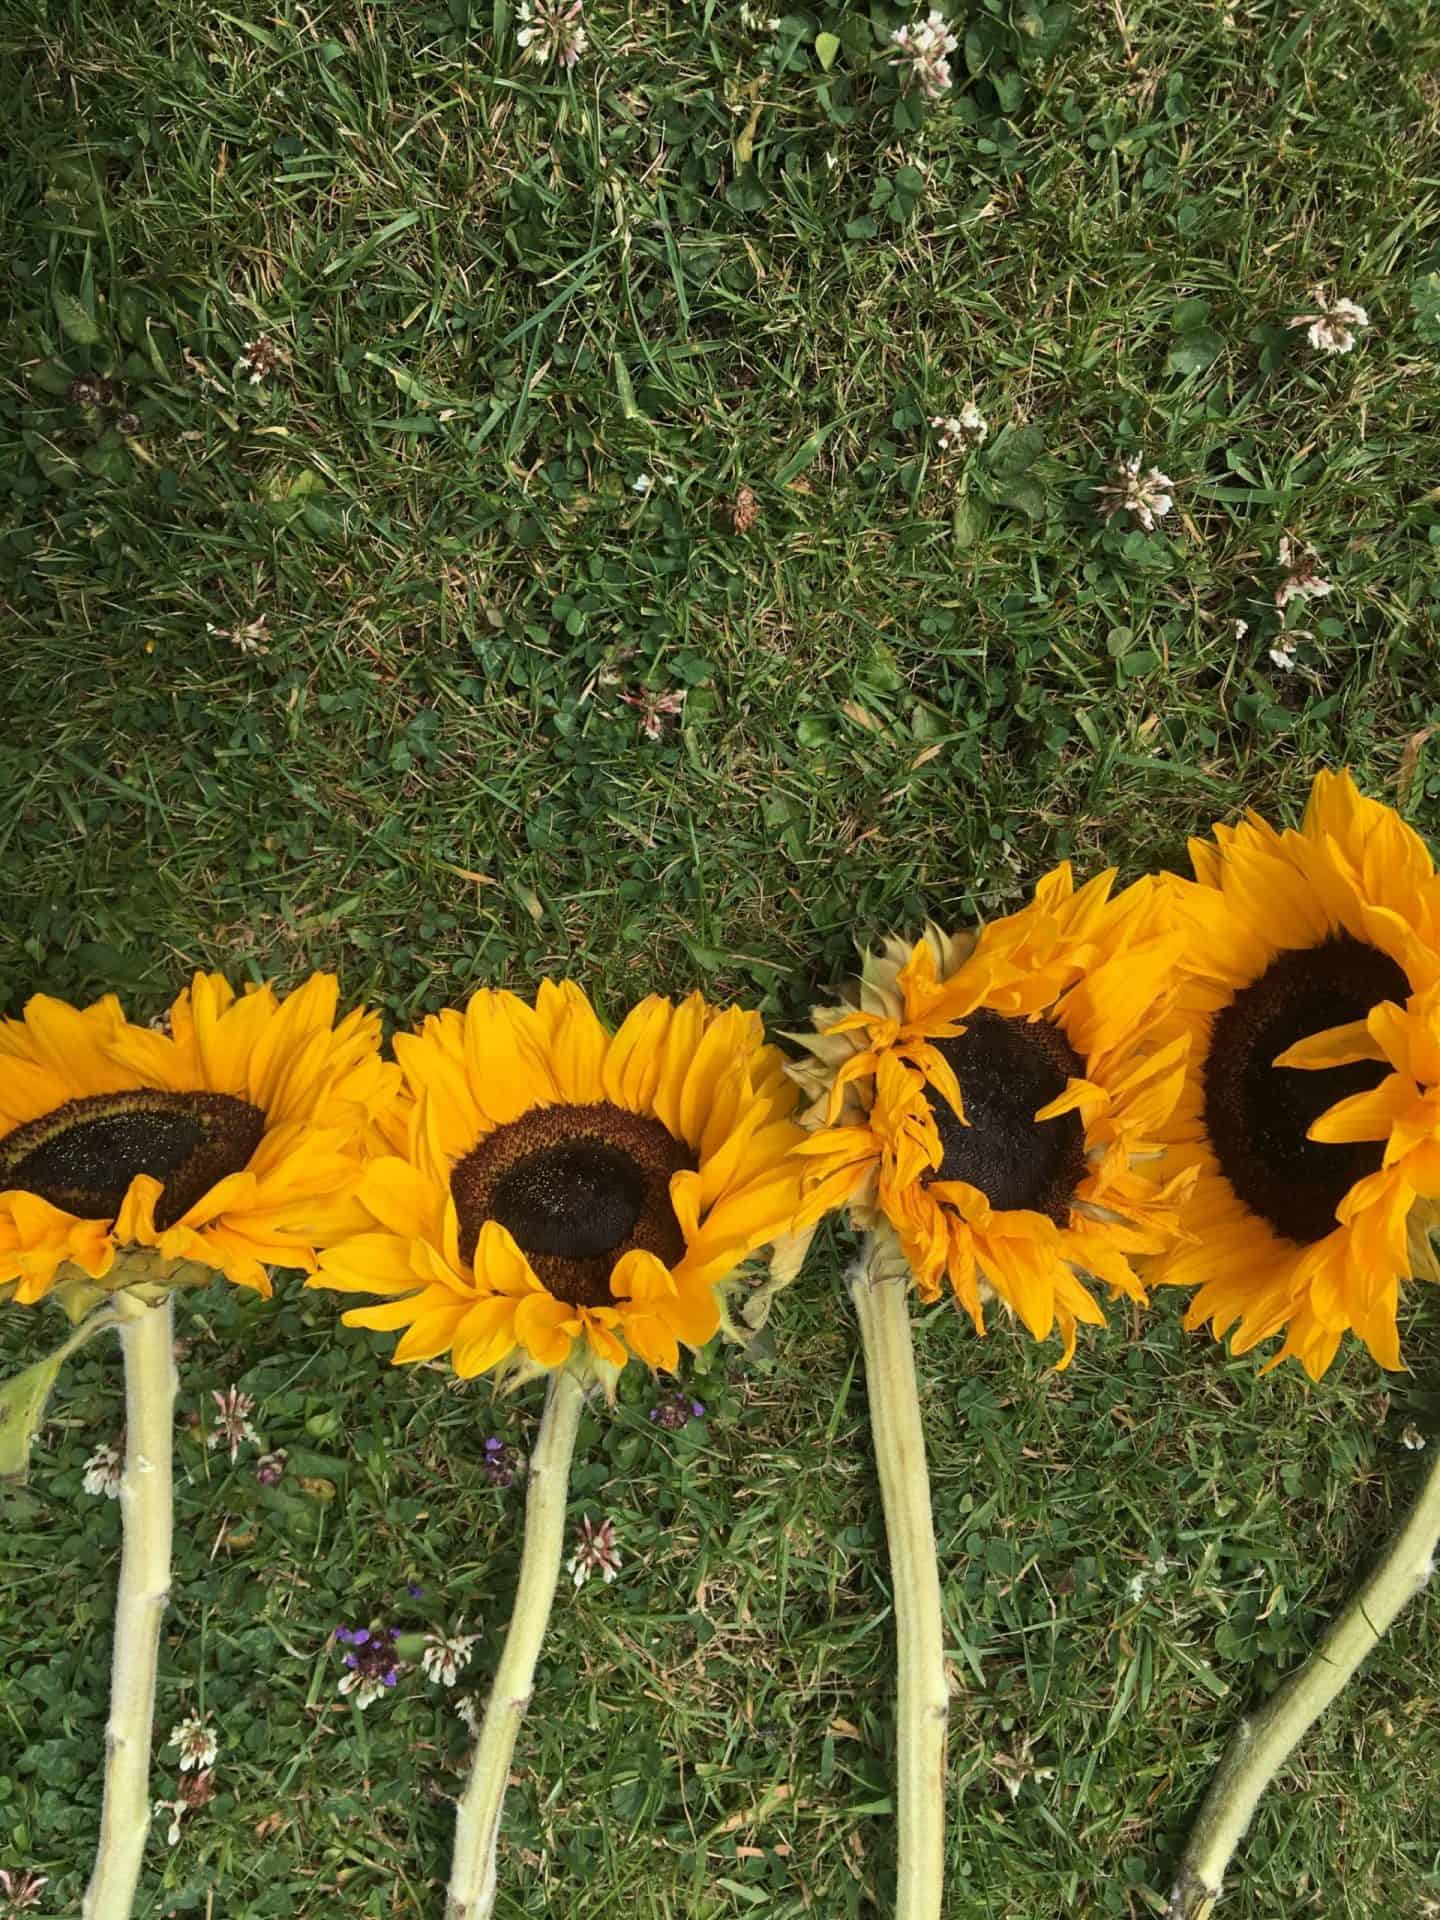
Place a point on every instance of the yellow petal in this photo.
(399, 1197)
(1364, 1116)
(500, 1265)
(652, 1341)
(578, 1042)
(367, 1263)
(546, 1328)
(431, 1334)
(1337, 1047)
(602, 1340)
(485, 1337)
(632, 1065)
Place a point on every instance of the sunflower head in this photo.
(993, 1101)
(228, 1142)
(564, 1195)
(1311, 1110)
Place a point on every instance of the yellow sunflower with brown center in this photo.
(996, 1101)
(230, 1141)
(1311, 1110)
(567, 1192)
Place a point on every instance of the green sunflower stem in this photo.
(1263, 1741)
(879, 1286)
(147, 1344)
(477, 1827)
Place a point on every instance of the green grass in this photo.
(912, 683)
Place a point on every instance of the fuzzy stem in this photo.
(1263, 1741)
(880, 1291)
(477, 1824)
(147, 1344)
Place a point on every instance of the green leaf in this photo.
(132, 311)
(1009, 89)
(76, 320)
(1017, 449)
(625, 389)
(1027, 495)
(1425, 299)
(826, 48)
(1043, 29)
(22, 1400)
(807, 451)
(967, 523)
(52, 378)
(1195, 351)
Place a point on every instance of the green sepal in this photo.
(23, 1399)
(77, 1298)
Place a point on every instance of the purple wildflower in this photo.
(371, 1664)
(270, 1467)
(500, 1464)
(677, 1410)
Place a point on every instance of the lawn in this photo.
(575, 583)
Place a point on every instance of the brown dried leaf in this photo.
(1409, 761)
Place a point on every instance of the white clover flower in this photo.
(1302, 579)
(1282, 654)
(104, 1471)
(969, 428)
(1412, 1438)
(1143, 494)
(232, 1420)
(259, 358)
(642, 483)
(197, 1742)
(22, 1888)
(196, 1790)
(1148, 1576)
(923, 51)
(445, 1655)
(177, 1810)
(596, 1551)
(1332, 324)
(253, 638)
(552, 30)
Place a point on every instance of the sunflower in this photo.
(229, 1141)
(1311, 1109)
(996, 1100)
(562, 1190)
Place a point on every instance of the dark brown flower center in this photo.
(1257, 1114)
(83, 1156)
(576, 1187)
(1008, 1069)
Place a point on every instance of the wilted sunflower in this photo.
(997, 1099)
(564, 1190)
(1314, 950)
(230, 1141)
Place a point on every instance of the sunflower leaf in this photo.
(23, 1399)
